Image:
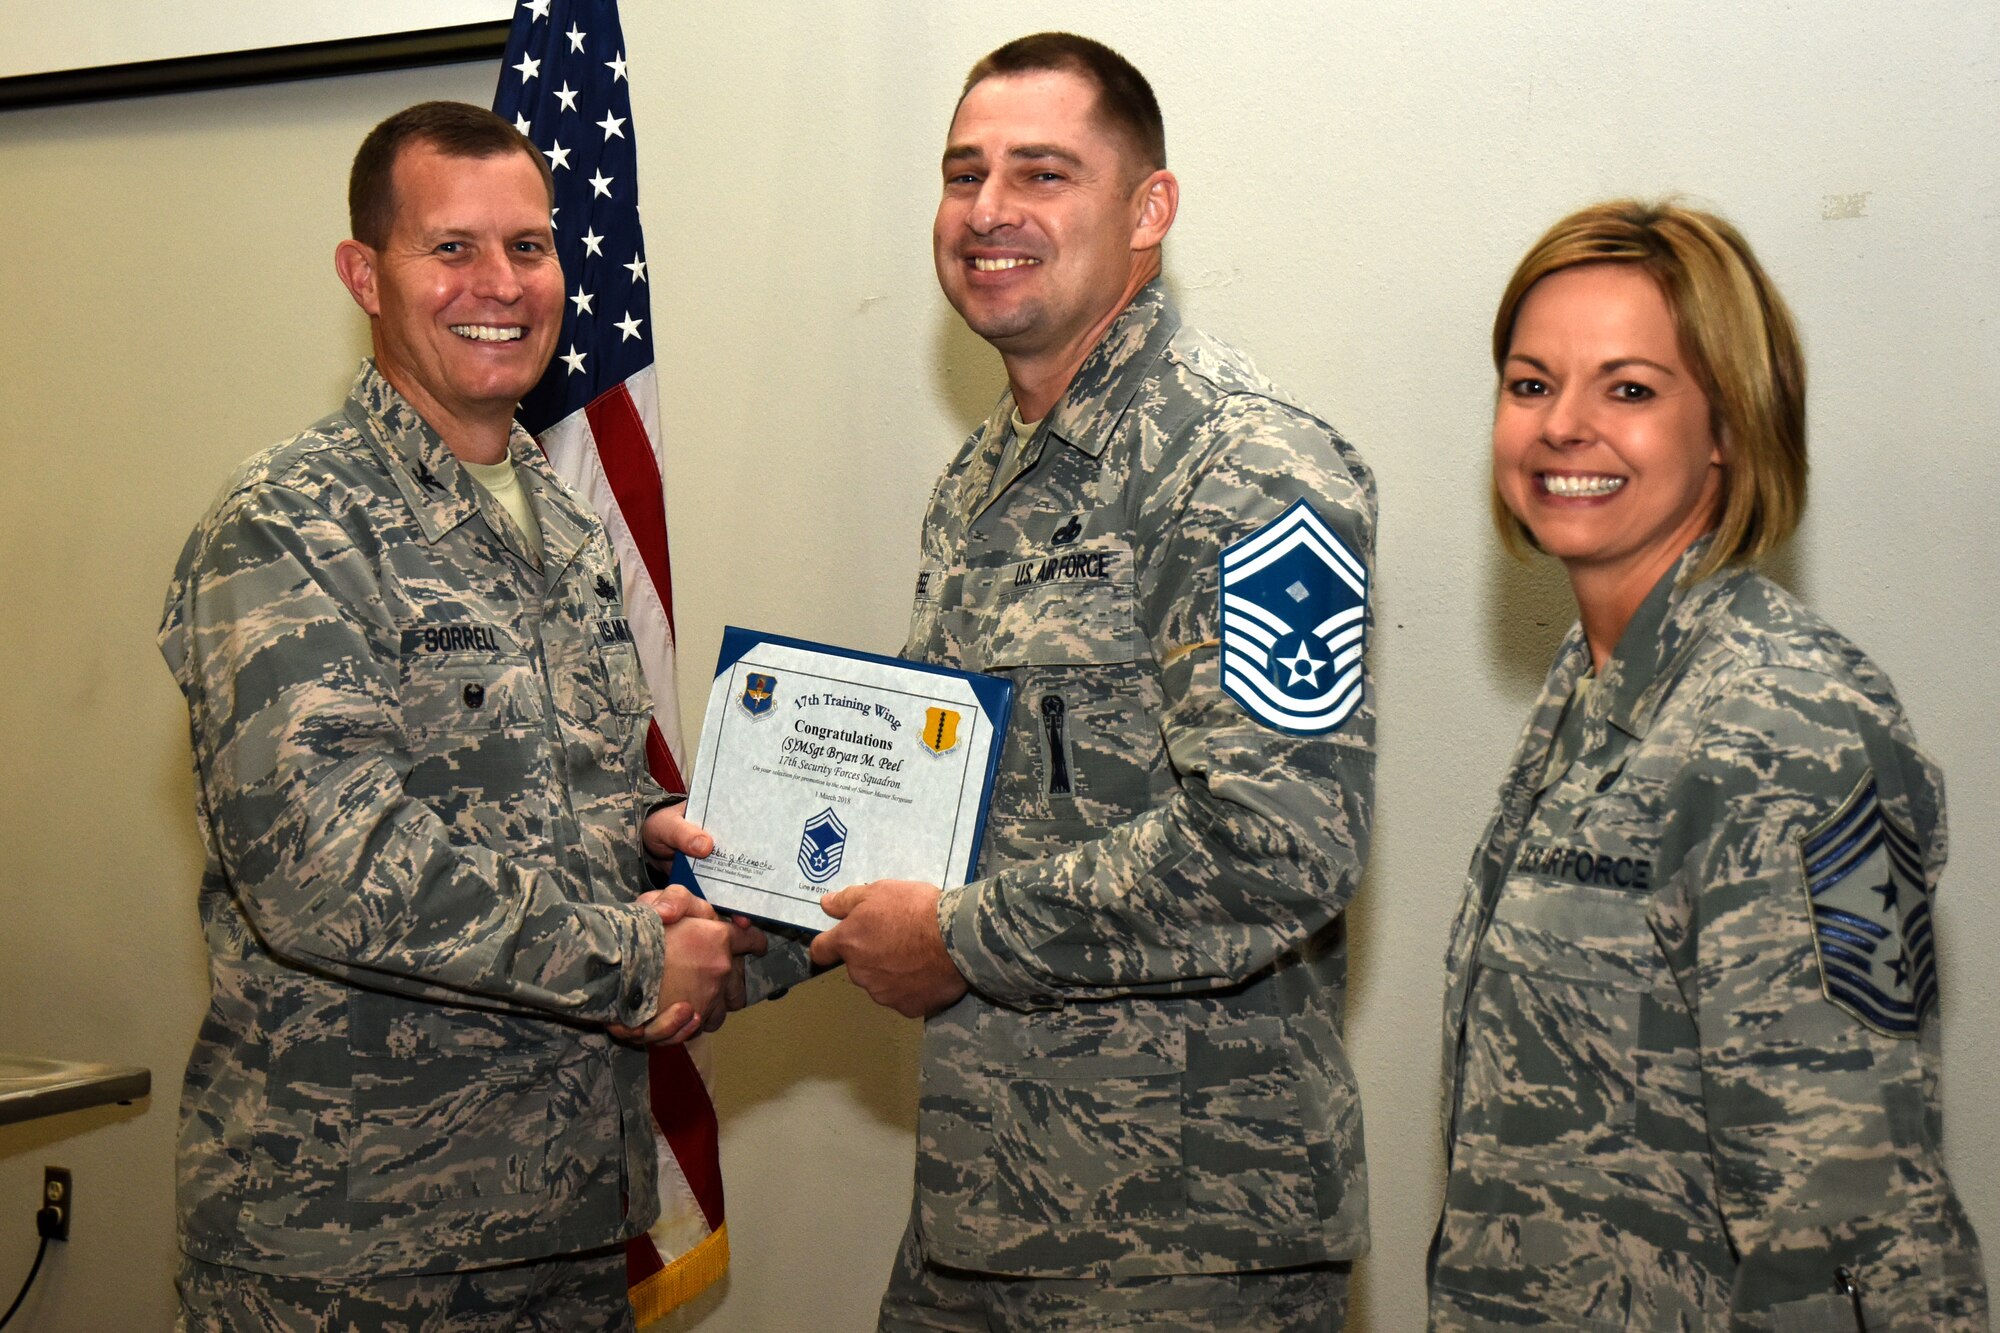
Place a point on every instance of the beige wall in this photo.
(1358, 181)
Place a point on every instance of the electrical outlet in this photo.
(52, 1218)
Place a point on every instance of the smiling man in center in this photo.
(1136, 1107)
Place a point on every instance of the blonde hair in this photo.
(1737, 337)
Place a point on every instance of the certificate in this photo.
(820, 767)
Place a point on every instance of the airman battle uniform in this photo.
(420, 781)
(1147, 1080)
(1691, 1045)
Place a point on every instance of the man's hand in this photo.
(666, 832)
(702, 980)
(888, 937)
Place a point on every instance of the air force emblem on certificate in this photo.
(820, 846)
(1294, 612)
(759, 692)
(940, 730)
(1871, 916)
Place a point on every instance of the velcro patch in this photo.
(1584, 865)
(461, 638)
(1087, 566)
(1294, 613)
(1871, 916)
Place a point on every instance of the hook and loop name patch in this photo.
(1294, 613)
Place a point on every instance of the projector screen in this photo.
(43, 38)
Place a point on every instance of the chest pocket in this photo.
(624, 680)
(1553, 1037)
(1084, 742)
(926, 607)
(1071, 606)
(474, 720)
(466, 696)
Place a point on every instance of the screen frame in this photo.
(270, 64)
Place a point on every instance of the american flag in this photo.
(563, 83)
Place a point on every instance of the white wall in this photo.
(1357, 183)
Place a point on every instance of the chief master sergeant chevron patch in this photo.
(1871, 916)
(1294, 614)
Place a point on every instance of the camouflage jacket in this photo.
(419, 780)
(1691, 1046)
(1148, 1075)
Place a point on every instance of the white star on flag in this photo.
(529, 68)
(576, 37)
(628, 326)
(582, 301)
(600, 184)
(539, 8)
(637, 268)
(573, 359)
(592, 243)
(612, 125)
(616, 66)
(567, 97)
(557, 155)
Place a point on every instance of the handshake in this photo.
(702, 979)
(885, 932)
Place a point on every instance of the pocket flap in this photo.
(1058, 610)
(1091, 1044)
(1574, 932)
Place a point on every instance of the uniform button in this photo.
(475, 695)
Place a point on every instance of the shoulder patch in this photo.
(1294, 614)
(1871, 916)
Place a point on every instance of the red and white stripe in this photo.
(609, 453)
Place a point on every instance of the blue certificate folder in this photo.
(821, 767)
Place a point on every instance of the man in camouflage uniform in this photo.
(1691, 1046)
(1136, 1109)
(417, 721)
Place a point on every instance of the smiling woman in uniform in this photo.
(1691, 1020)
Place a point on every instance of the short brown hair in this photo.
(1737, 337)
(1125, 100)
(455, 129)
